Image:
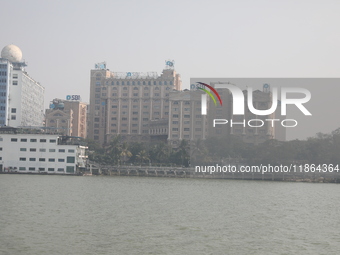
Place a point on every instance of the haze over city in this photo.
(61, 41)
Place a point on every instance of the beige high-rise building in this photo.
(124, 103)
(67, 117)
(185, 118)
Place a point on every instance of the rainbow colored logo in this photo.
(209, 93)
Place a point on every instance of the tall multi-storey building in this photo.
(124, 103)
(185, 118)
(67, 117)
(21, 97)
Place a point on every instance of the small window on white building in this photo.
(15, 83)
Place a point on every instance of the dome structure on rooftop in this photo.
(12, 53)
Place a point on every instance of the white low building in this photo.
(22, 151)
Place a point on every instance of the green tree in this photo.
(125, 154)
(143, 156)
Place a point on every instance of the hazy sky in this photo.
(62, 40)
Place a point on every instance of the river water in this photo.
(137, 215)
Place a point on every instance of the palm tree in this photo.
(162, 152)
(125, 154)
(198, 152)
(143, 156)
(113, 149)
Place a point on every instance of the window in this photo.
(186, 116)
(61, 150)
(175, 115)
(14, 139)
(71, 151)
(22, 168)
(51, 160)
(15, 76)
(53, 141)
(33, 140)
(41, 168)
(14, 110)
(15, 82)
(42, 159)
(33, 149)
(31, 168)
(42, 150)
(32, 159)
(186, 129)
(23, 140)
(175, 122)
(50, 169)
(70, 169)
(22, 149)
(174, 129)
(13, 117)
(70, 159)
(51, 150)
(61, 160)
(60, 170)
(43, 140)
(22, 159)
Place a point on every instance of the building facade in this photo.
(124, 103)
(21, 97)
(30, 151)
(185, 118)
(67, 117)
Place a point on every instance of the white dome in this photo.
(12, 53)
